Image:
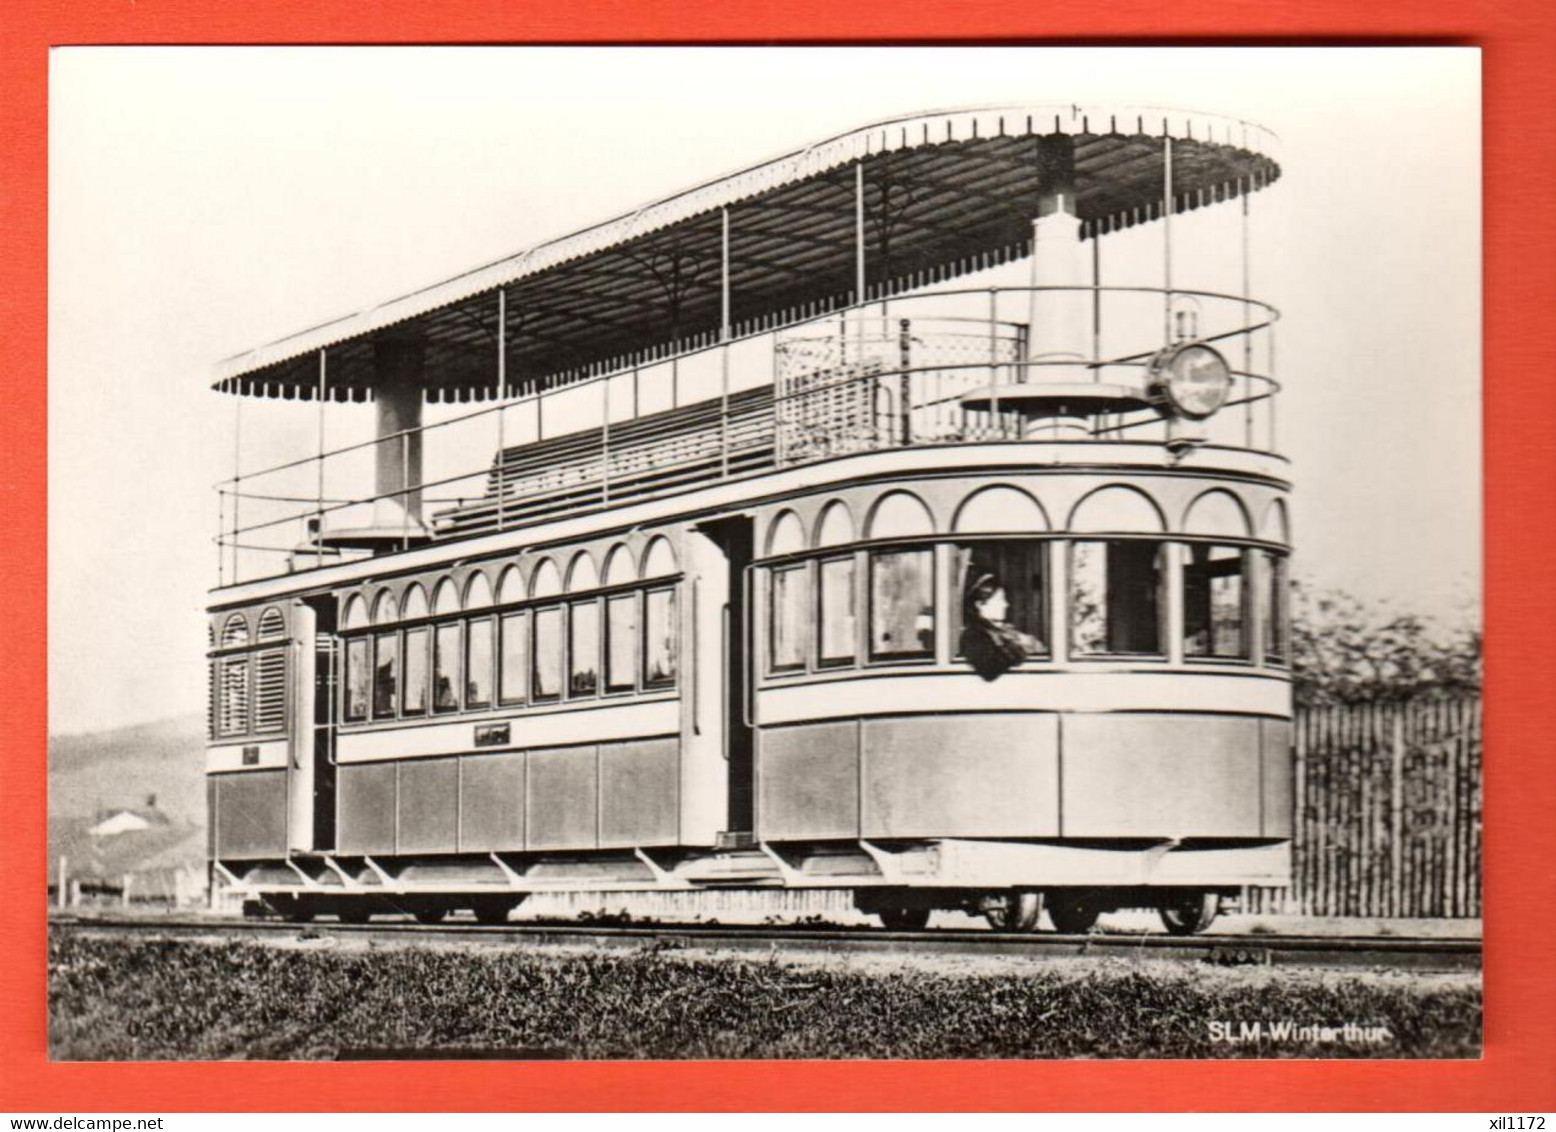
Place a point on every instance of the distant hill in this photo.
(122, 767)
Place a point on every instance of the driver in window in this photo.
(991, 644)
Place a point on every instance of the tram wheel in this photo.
(293, 909)
(904, 919)
(1012, 911)
(1184, 913)
(1073, 913)
(492, 911)
(430, 915)
(356, 912)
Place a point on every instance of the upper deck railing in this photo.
(908, 371)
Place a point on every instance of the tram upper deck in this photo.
(931, 284)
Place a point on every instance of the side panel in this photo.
(250, 814)
(1160, 775)
(961, 776)
(1279, 777)
(639, 793)
(429, 806)
(808, 782)
(562, 797)
(491, 802)
(366, 800)
(300, 716)
(704, 770)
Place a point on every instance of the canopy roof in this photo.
(939, 189)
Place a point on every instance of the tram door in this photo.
(733, 539)
(312, 772)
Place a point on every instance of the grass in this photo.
(111, 998)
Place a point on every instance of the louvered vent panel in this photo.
(210, 701)
(272, 626)
(270, 691)
(232, 715)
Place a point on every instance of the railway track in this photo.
(1389, 952)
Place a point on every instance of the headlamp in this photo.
(1191, 380)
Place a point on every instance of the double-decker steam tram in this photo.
(861, 520)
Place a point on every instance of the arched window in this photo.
(1116, 510)
(272, 625)
(1276, 525)
(1116, 603)
(233, 710)
(902, 582)
(999, 510)
(414, 606)
(478, 591)
(235, 631)
(445, 599)
(786, 535)
(356, 613)
(900, 515)
(385, 608)
(659, 559)
(1276, 636)
(836, 526)
(619, 567)
(546, 581)
(581, 574)
(1215, 579)
(1011, 572)
(510, 587)
(1217, 514)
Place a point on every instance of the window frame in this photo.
(536, 696)
(1164, 600)
(379, 637)
(466, 703)
(1246, 602)
(363, 640)
(406, 711)
(1039, 547)
(807, 615)
(815, 654)
(439, 626)
(872, 553)
(522, 616)
(569, 675)
(673, 591)
(1275, 619)
(634, 598)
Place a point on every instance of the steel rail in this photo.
(1396, 953)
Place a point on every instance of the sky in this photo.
(203, 201)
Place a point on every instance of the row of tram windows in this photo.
(1116, 602)
(612, 644)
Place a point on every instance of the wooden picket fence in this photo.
(1388, 809)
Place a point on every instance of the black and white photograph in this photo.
(764, 553)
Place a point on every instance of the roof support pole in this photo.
(1247, 334)
(724, 279)
(237, 480)
(502, 404)
(1168, 207)
(318, 534)
(724, 352)
(859, 232)
(605, 440)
